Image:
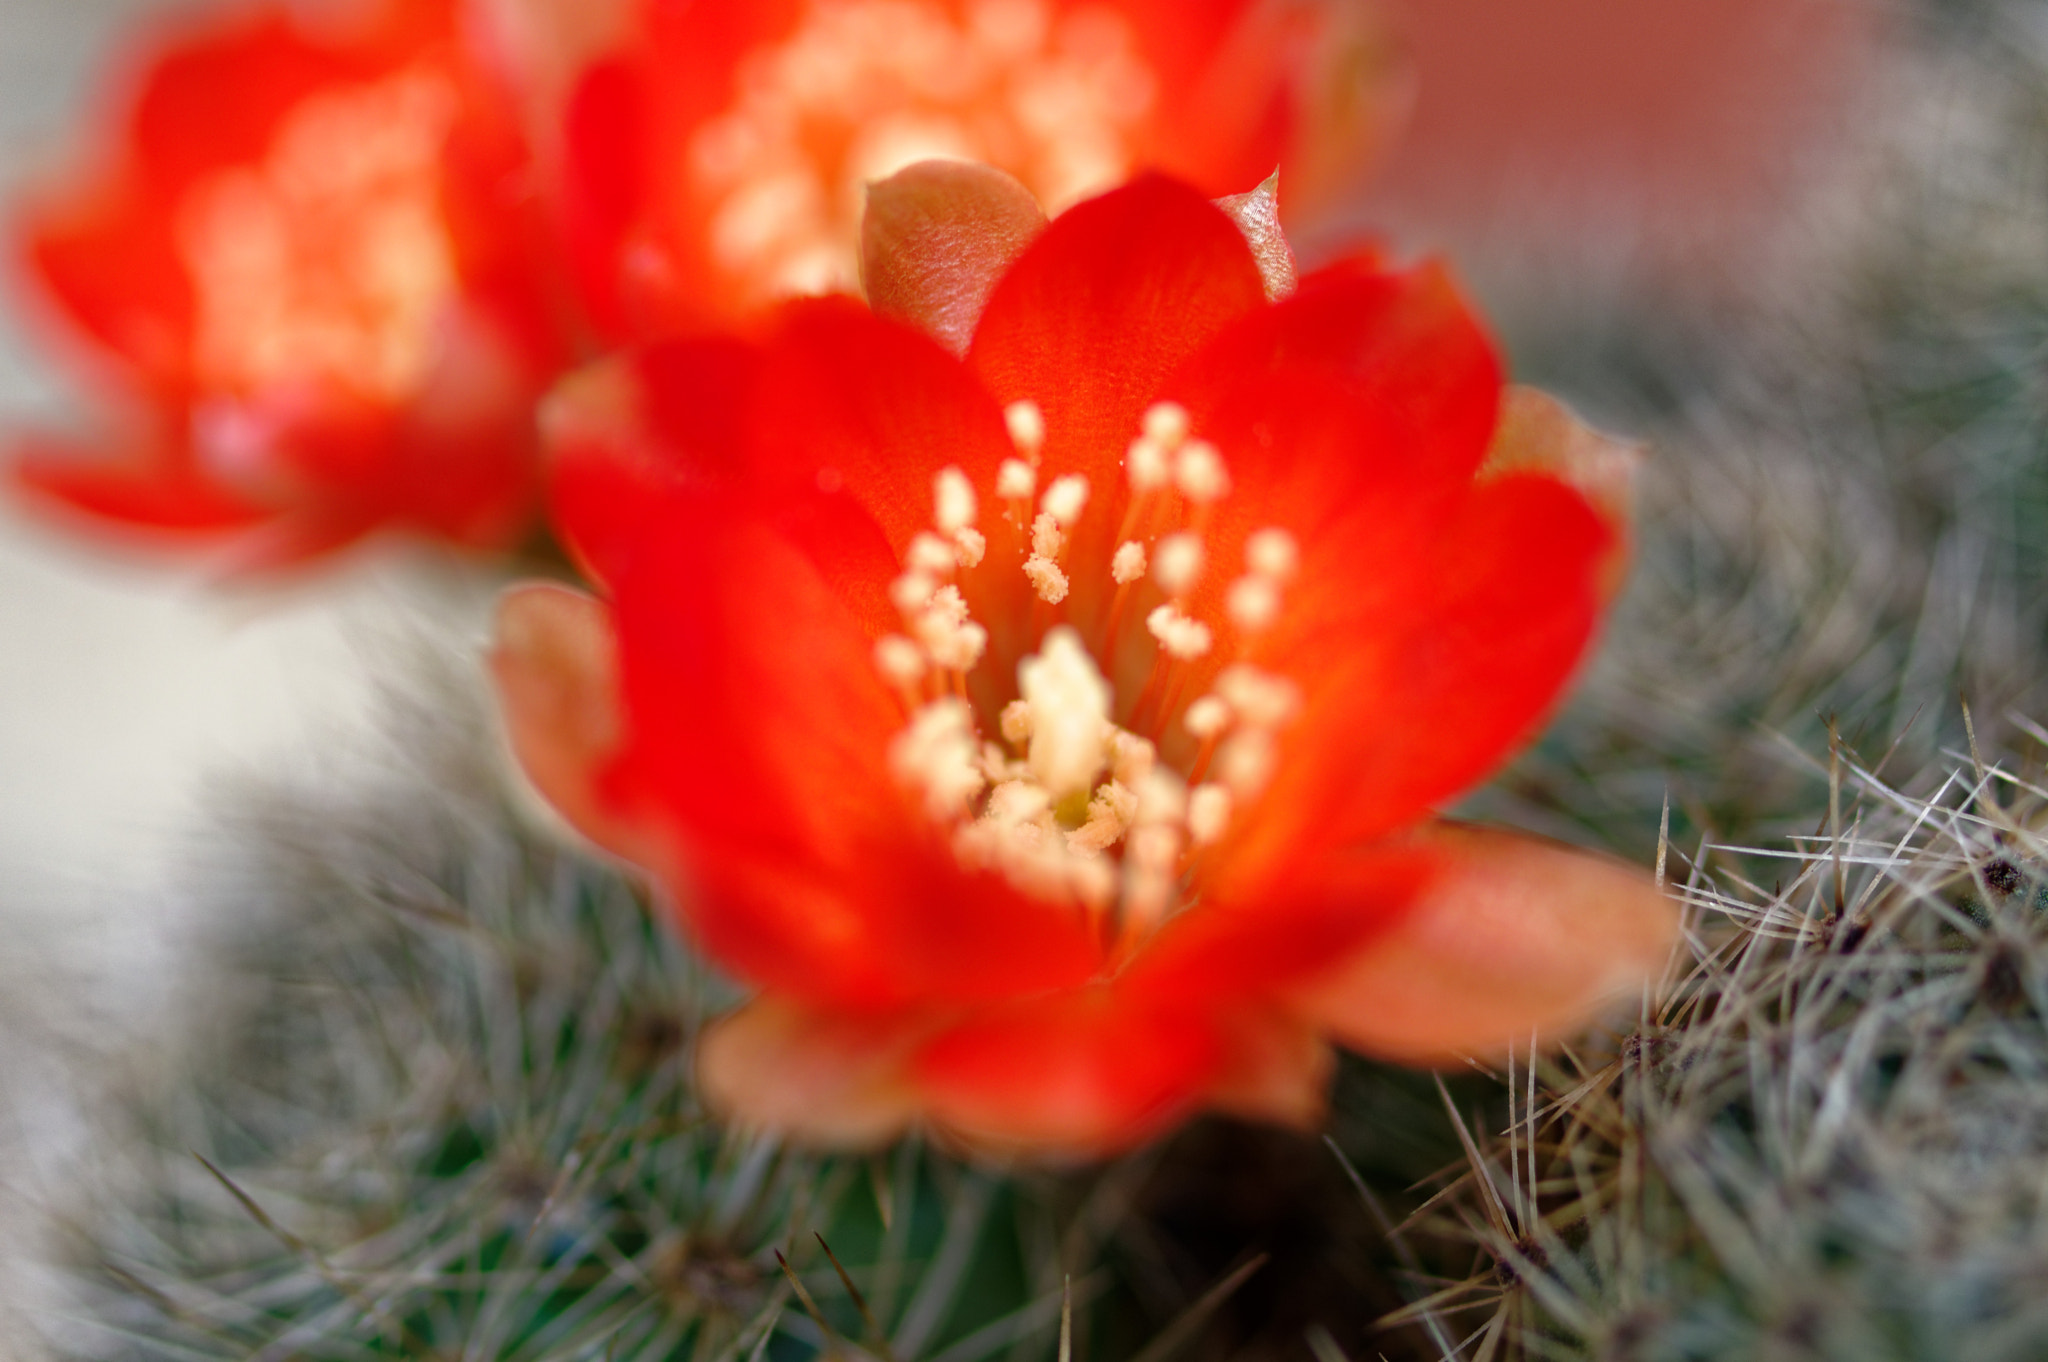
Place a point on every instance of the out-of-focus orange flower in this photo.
(718, 161)
(1047, 725)
(312, 265)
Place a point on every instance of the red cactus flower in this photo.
(719, 160)
(1049, 731)
(309, 256)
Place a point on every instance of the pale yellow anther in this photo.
(937, 757)
(1206, 718)
(972, 545)
(1246, 760)
(1208, 815)
(1149, 465)
(1260, 698)
(1272, 553)
(1047, 539)
(1162, 800)
(960, 649)
(1016, 480)
(1027, 428)
(996, 766)
(953, 503)
(1017, 801)
(1131, 758)
(912, 591)
(1128, 565)
(1179, 635)
(1016, 723)
(1069, 702)
(1199, 473)
(1065, 499)
(1253, 603)
(931, 555)
(1177, 563)
(900, 661)
(1166, 424)
(1047, 580)
(1154, 848)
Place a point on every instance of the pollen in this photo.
(953, 501)
(1180, 635)
(1065, 499)
(1206, 718)
(1177, 564)
(1047, 579)
(900, 661)
(1208, 815)
(1166, 424)
(1016, 480)
(1199, 473)
(1148, 464)
(1253, 604)
(972, 546)
(1026, 423)
(1046, 537)
(932, 556)
(1272, 554)
(1129, 563)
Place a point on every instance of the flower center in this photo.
(866, 87)
(1066, 792)
(329, 260)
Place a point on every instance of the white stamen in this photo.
(1046, 538)
(1131, 758)
(1253, 603)
(1179, 635)
(1065, 499)
(1148, 465)
(1167, 424)
(1016, 480)
(1208, 814)
(1069, 713)
(973, 545)
(1245, 761)
(961, 649)
(900, 661)
(936, 757)
(1109, 816)
(1272, 554)
(953, 501)
(1017, 801)
(912, 591)
(1260, 698)
(1046, 579)
(997, 767)
(1162, 800)
(931, 555)
(1177, 563)
(1016, 723)
(1199, 473)
(1129, 563)
(1027, 428)
(1206, 718)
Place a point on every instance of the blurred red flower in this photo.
(1049, 732)
(718, 159)
(311, 263)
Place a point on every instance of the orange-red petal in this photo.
(761, 730)
(1539, 434)
(1514, 935)
(1106, 306)
(816, 1076)
(935, 239)
(1082, 1072)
